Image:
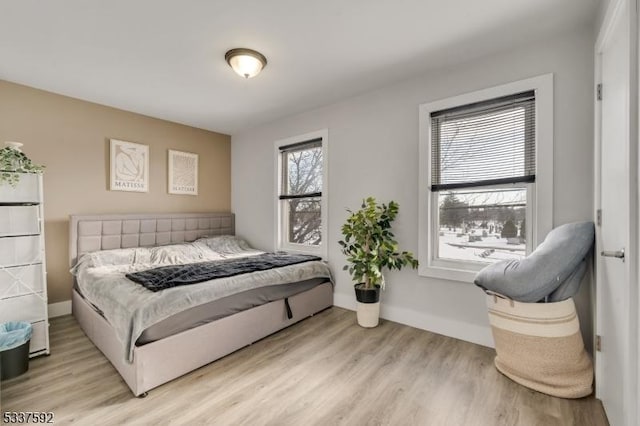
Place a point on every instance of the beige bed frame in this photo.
(161, 361)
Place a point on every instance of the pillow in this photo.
(543, 271)
(112, 257)
(176, 254)
(226, 244)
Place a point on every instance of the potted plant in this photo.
(13, 162)
(370, 246)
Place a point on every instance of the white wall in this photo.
(603, 6)
(373, 150)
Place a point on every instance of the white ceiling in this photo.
(165, 58)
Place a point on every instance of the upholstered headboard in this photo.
(111, 231)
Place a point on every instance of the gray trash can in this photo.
(14, 348)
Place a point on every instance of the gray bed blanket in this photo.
(165, 277)
(551, 273)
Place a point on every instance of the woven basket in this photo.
(539, 346)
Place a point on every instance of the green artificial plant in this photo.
(12, 162)
(370, 245)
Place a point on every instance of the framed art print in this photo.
(129, 166)
(183, 173)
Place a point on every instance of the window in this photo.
(300, 201)
(481, 199)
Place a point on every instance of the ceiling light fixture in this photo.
(246, 62)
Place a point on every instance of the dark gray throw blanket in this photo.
(175, 275)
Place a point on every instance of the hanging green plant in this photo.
(12, 162)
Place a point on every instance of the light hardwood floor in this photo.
(323, 371)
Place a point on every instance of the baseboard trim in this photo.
(472, 333)
(468, 332)
(59, 309)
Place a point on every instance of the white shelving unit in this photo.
(23, 282)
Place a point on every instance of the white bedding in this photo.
(130, 308)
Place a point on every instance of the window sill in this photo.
(317, 251)
(448, 273)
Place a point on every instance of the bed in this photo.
(156, 341)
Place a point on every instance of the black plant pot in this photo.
(367, 295)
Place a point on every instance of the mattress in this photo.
(221, 308)
(217, 309)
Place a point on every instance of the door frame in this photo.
(630, 390)
(635, 46)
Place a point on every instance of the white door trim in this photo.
(635, 44)
(631, 391)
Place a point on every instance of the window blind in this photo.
(301, 170)
(301, 146)
(485, 143)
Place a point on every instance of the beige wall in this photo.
(71, 138)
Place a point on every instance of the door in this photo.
(616, 236)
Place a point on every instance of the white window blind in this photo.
(485, 143)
